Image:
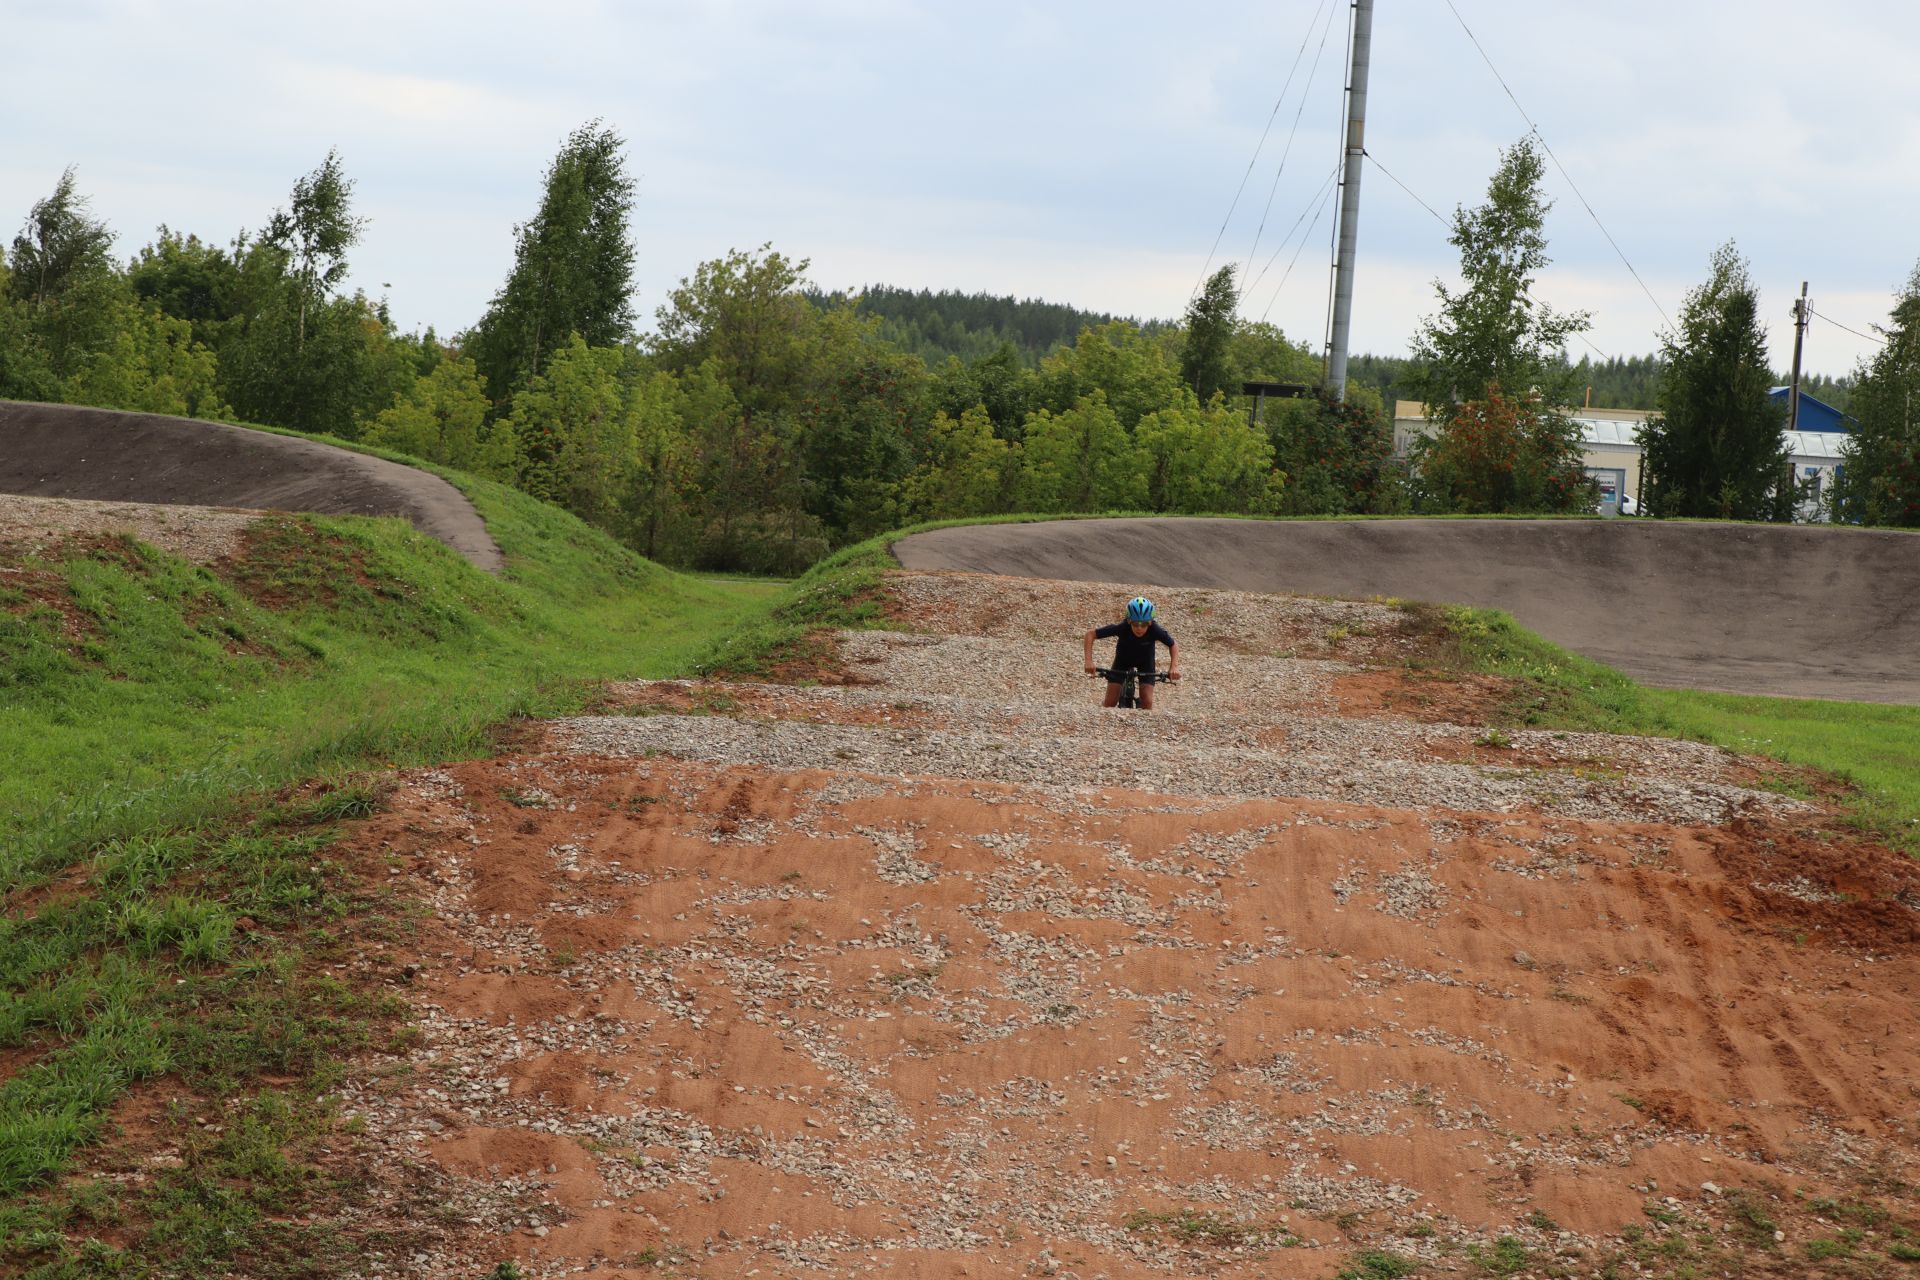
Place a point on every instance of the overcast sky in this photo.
(1082, 153)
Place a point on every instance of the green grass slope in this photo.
(180, 741)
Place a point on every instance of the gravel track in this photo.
(1011, 704)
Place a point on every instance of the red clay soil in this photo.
(805, 1023)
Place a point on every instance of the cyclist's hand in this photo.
(1173, 675)
(1092, 670)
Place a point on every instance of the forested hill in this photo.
(934, 325)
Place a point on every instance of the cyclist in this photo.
(1133, 649)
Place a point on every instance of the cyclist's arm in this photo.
(1173, 661)
(1091, 669)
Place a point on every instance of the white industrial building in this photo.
(1613, 455)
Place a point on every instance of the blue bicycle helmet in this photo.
(1139, 609)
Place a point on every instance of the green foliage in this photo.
(1874, 746)
(969, 327)
(1880, 482)
(1497, 455)
(1128, 369)
(181, 277)
(1205, 460)
(575, 429)
(996, 383)
(1377, 1264)
(150, 363)
(442, 418)
(1509, 1256)
(1337, 457)
(315, 231)
(1715, 449)
(1080, 460)
(572, 267)
(295, 355)
(964, 469)
(59, 248)
(1210, 324)
(1494, 332)
(856, 422)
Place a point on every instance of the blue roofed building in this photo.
(1815, 415)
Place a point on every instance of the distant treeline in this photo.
(940, 324)
(936, 325)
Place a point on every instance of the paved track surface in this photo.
(63, 451)
(1788, 611)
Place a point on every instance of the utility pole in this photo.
(1357, 61)
(1801, 309)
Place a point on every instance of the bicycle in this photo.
(1130, 681)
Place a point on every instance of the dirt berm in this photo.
(65, 451)
(1788, 611)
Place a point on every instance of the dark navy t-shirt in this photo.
(1133, 653)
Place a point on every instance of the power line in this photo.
(1320, 202)
(1404, 187)
(1855, 332)
(1562, 168)
(1255, 158)
(1312, 203)
(1414, 196)
(1307, 89)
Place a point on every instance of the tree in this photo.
(150, 363)
(1715, 447)
(1126, 367)
(296, 353)
(1337, 455)
(1493, 331)
(576, 431)
(1205, 458)
(315, 231)
(996, 382)
(965, 469)
(26, 369)
(1880, 481)
(1501, 455)
(1080, 460)
(65, 285)
(442, 418)
(572, 267)
(855, 424)
(187, 279)
(655, 502)
(1260, 352)
(746, 315)
(1210, 326)
(59, 245)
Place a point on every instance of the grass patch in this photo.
(1873, 747)
(181, 741)
(1204, 1229)
(1377, 1265)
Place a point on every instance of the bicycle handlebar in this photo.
(1145, 677)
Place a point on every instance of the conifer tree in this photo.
(1715, 447)
(1880, 481)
